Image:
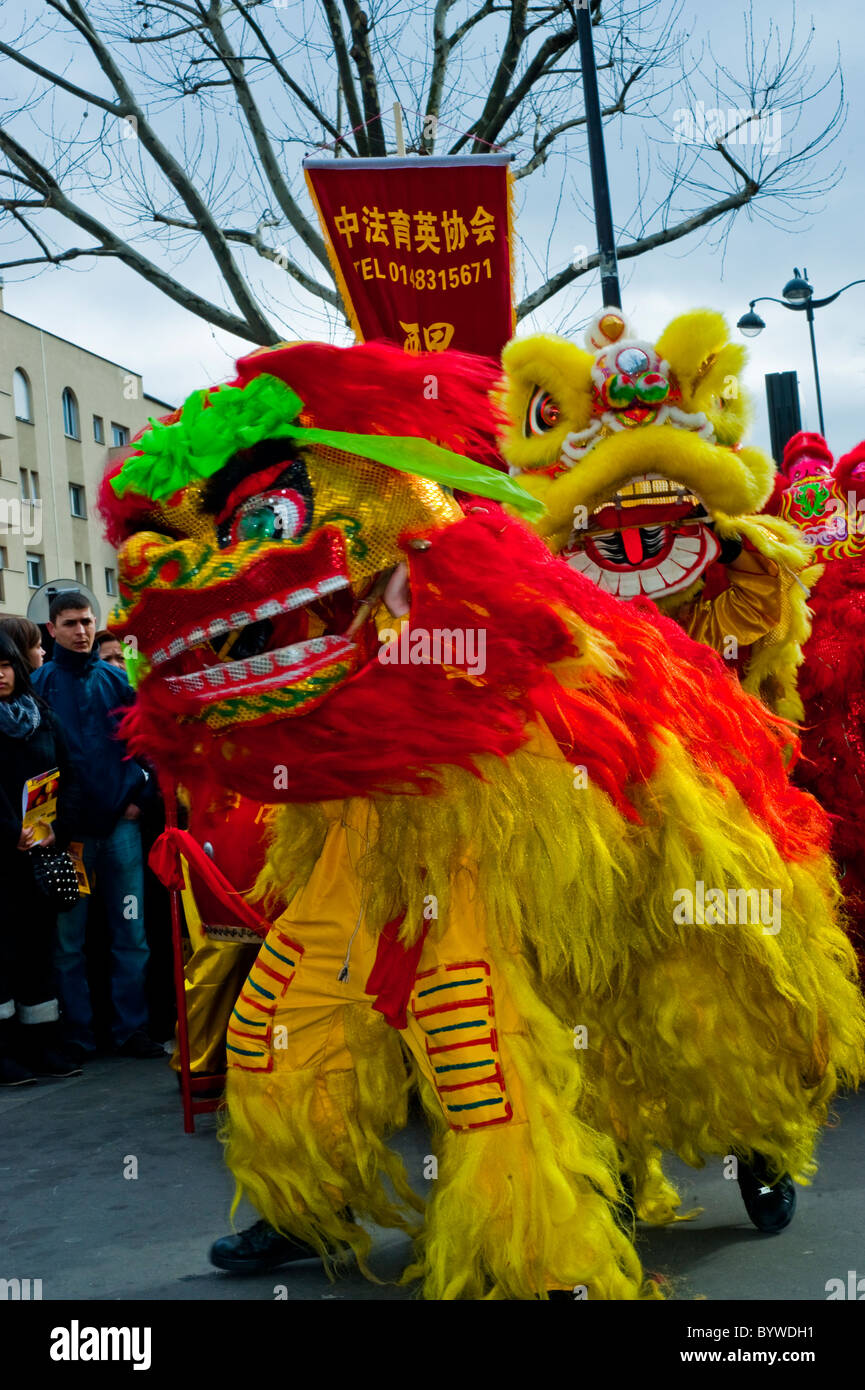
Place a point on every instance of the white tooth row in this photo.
(629, 583)
(265, 664)
(271, 608)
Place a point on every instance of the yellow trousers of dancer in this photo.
(521, 1193)
(212, 980)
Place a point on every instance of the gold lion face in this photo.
(633, 447)
(243, 591)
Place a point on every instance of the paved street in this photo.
(71, 1219)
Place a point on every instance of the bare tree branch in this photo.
(542, 147)
(221, 93)
(245, 100)
(57, 79)
(366, 72)
(503, 74)
(294, 87)
(440, 52)
(541, 64)
(110, 244)
(269, 253)
(128, 107)
(635, 248)
(487, 8)
(346, 77)
(161, 38)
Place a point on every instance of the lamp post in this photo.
(611, 296)
(799, 295)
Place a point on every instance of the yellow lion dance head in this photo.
(636, 451)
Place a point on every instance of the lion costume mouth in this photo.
(648, 538)
(254, 645)
(271, 667)
(650, 560)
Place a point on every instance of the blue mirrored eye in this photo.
(632, 360)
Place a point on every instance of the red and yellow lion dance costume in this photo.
(826, 501)
(474, 864)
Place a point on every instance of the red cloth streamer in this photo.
(165, 860)
(393, 974)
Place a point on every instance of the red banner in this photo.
(421, 248)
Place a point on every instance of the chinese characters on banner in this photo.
(421, 248)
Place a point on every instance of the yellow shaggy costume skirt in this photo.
(522, 1200)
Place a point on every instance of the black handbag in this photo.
(55, 876)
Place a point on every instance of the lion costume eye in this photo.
(543, 414)
(272, 516)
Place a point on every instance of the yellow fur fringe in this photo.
(305, 1145)
(701, 1038)
(489, 1236)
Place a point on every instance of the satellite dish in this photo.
(40, 603)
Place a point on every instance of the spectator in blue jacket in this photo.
(88, 696)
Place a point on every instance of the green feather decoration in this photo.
(234, 417)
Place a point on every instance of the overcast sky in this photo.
(110, 310)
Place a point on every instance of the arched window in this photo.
(71, 423)
(22, 395)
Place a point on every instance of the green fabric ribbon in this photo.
(236, 417)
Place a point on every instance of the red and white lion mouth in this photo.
(263, 649)
(198, 634)
(650, 537)
(266, 671)
(245, 639)
(652, 560)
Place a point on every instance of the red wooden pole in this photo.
(170, 797)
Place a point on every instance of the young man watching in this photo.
(88, 696)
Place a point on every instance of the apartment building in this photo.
(63, 410)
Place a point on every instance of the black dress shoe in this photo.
(12, 1073)
(770, 1205)
(56, 1064)
(139, 1045)
(259, 1249)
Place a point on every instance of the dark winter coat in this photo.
(89, 696)
(21, 758)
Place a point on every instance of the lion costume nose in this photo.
(623, 389)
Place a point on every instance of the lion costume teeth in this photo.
(467, 866)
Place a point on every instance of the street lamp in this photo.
(798, 294)
(750, 324)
